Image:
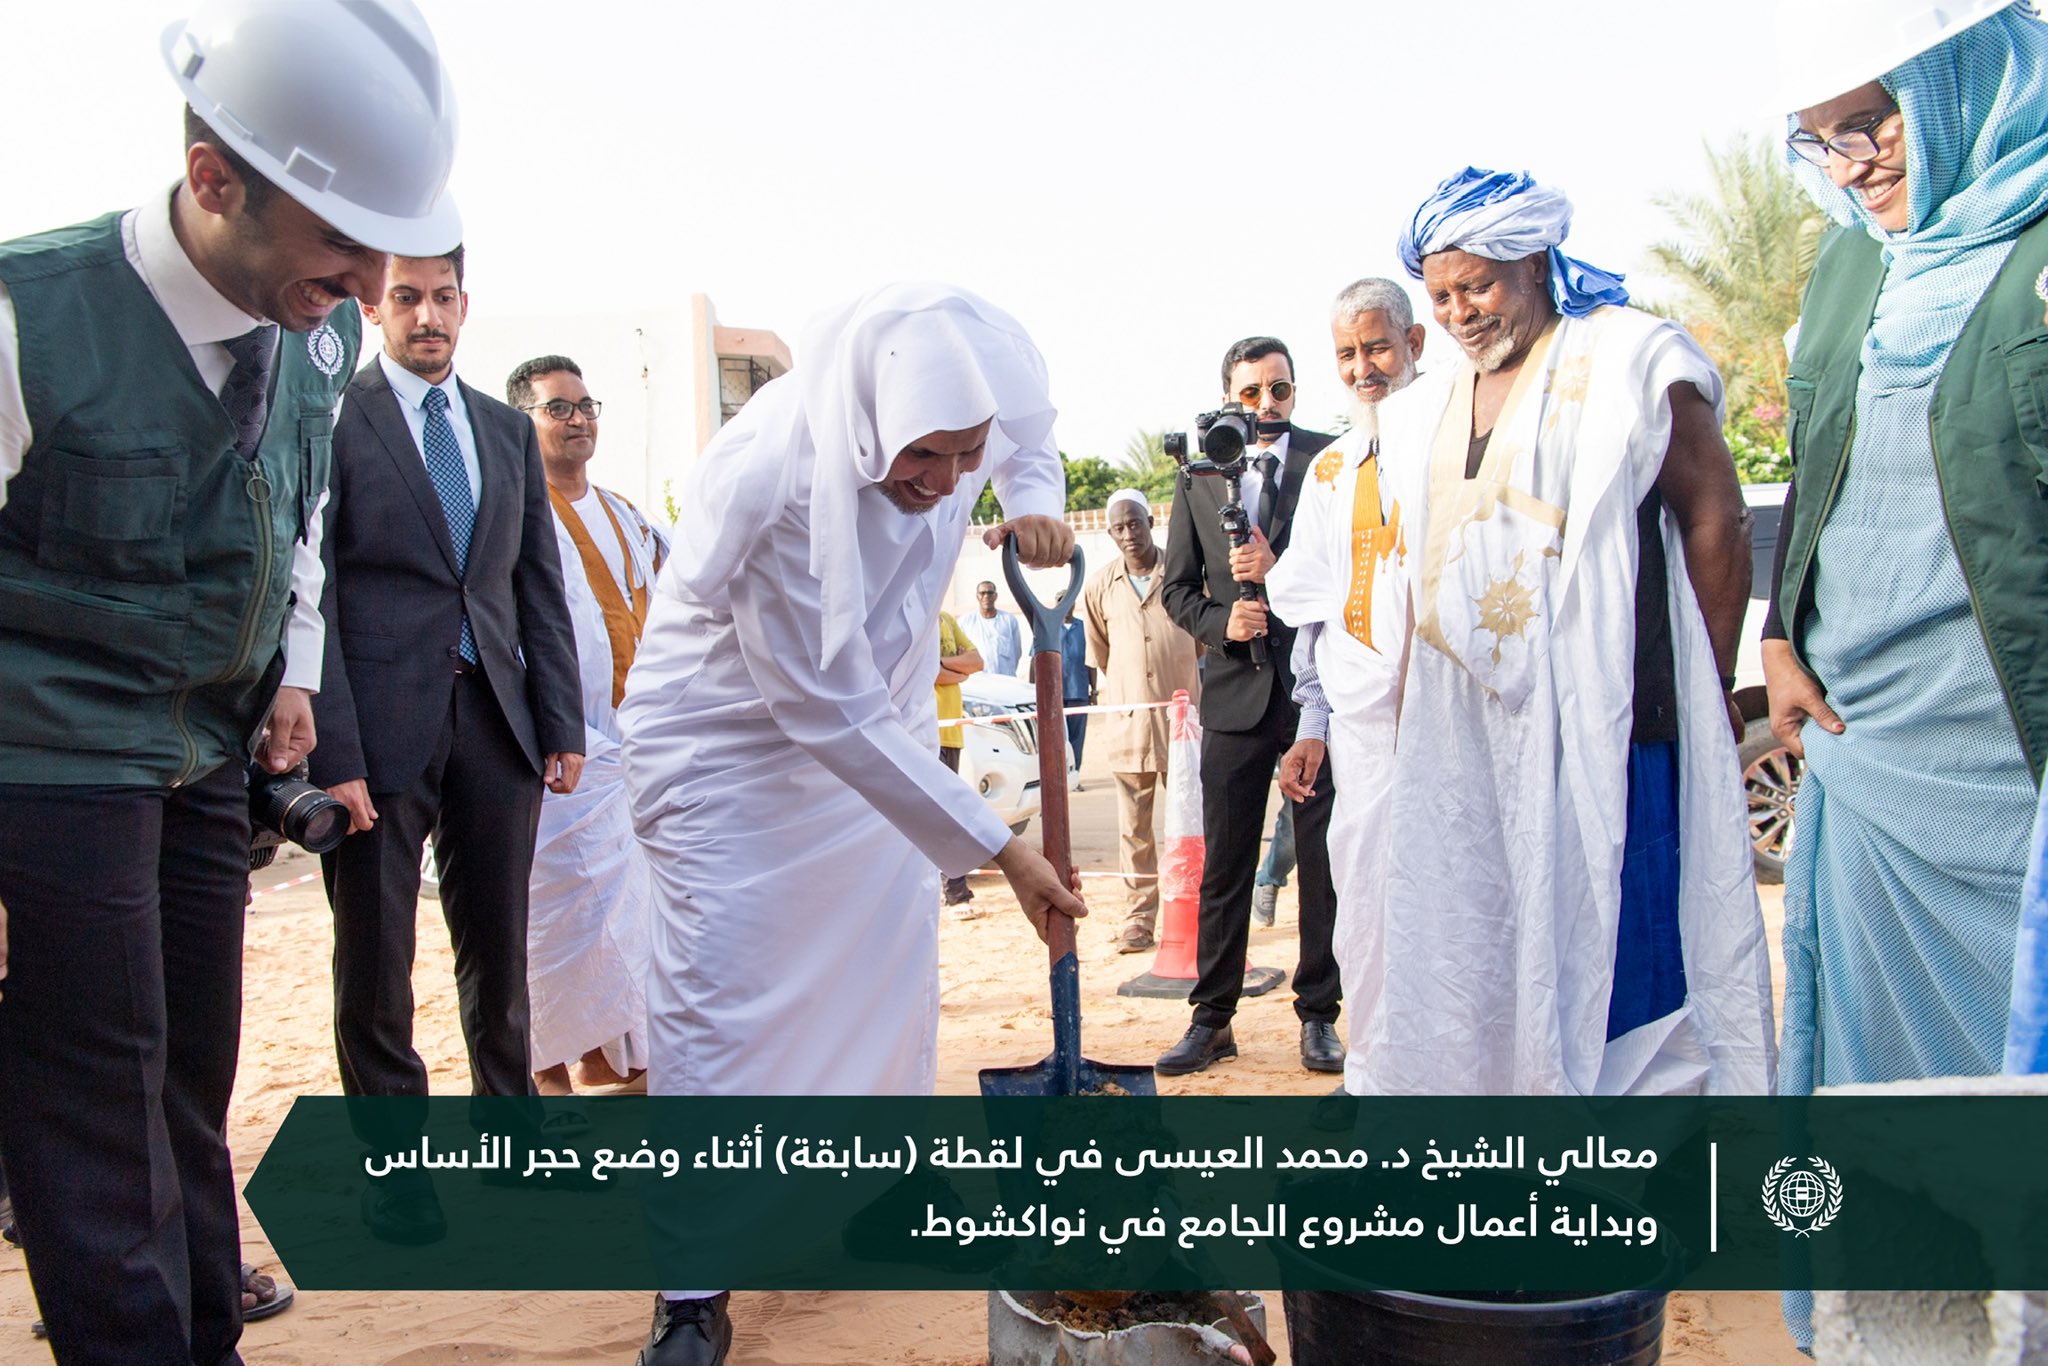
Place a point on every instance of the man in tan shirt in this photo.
(1141, 657)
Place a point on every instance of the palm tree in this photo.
(1741, 259)
(1152, 470)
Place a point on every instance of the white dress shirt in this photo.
(411, 391)
(205, 319)
(1251, 482)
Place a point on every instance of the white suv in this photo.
(1770, 775)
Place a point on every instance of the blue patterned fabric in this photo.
(1507, 216)
(2026, 1033)
(1649, 960)
(1976, 123)
(451, 484)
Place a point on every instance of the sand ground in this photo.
(993, 1011)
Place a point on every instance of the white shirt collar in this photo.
(1278, 450)
(412, 387)
(200, 312)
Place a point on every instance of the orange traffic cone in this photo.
(1180, 871)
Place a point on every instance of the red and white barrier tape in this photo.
(1094, 709)
(299, 881)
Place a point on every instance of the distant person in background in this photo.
(1143, 658)
(958, 661)
(997, 635)
(590, 896)
(1278, 863)
(1077, 687)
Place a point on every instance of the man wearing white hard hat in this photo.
(167, 378)
(1907, 657)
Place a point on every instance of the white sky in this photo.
(1140, 183)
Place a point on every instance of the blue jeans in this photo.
(1280, 857)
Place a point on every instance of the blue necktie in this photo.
(451, 482)
(246, 395)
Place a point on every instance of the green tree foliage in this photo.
(1147, 467)
(1740, 259)
(1090, 481)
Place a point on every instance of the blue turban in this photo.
(1506, 216)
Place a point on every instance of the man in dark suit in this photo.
(1248, 720)
(450, 694)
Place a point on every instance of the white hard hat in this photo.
(343, 104)
(1830, 47)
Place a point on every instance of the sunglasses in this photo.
(1280, 389)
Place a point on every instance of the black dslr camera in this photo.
(284, 806)
(1224, 435)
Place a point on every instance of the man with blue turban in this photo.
(1568, 907)
(1907, 657)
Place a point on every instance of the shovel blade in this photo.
(1092, 1079)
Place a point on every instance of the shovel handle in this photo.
(1247, 1332)
(1052, 727)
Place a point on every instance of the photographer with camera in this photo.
(1234, 516)
(166, 381)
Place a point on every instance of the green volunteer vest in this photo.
(145, 567)
(1989, 425)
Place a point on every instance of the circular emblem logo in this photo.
(323, 344)
(1803, 1198)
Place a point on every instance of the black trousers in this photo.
(480, 800)
(119, 1028)
(1237, 772)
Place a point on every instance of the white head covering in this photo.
(1128, 496)
(870, 379)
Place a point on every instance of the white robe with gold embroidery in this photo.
(1508, 795)
(1353, 584)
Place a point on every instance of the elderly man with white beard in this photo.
(1343, 582)
(781, 727)
(1567, 904)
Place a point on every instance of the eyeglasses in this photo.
(984, 592)
(1857, 142)
(560, 408)
(1280, 389)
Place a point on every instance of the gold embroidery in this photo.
(1329, 464)
(1373, 538)
(1506, 607)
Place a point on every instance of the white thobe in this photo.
(1508, 796)
(1313, 583)
(591, 897)
(793, 813)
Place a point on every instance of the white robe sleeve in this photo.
(842, 715)
(305, 637)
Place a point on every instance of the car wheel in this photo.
(1770, 781)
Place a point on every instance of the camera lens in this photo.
(318, 826)
(1224, 441)
(294, 808)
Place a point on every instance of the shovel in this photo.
(1064, 1072)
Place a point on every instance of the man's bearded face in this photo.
(1495, 310)
(1374, 358)
(928, 470)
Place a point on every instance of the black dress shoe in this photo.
(688, 1333)
(1197, 1048)
(1320, 1051)
(403, 1209)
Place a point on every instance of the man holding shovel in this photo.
(780, 727)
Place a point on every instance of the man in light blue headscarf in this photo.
(1908, 652)
(1567, 906)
